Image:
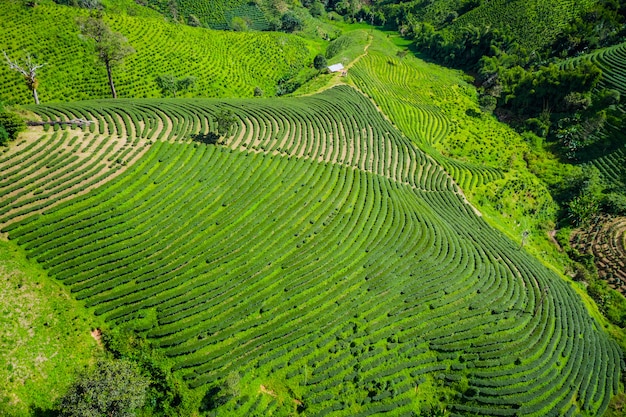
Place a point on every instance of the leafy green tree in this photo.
(113, 388)
(239, 24)
(225, 121)
(192, 20)
(172, 85)
(111, 47)
(290, 22)
(316, 9)
(319, 62)
(10, 126)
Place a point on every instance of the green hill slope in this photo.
(610, 158)
(45, 335)
(321, 256)
(217, 14)
(225, 63)
(531, 23)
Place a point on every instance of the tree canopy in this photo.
(113, 388)
(111, 47)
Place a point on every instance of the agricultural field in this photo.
(225, 64)
(437, 109)
(606, 240)
(318, 254)
(612, 62)
(534, 24)
(217, 14)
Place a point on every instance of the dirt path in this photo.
(551, 235)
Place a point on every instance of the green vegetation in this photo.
(224, 64)
(112, 388)
(10, 126)
(246, 293)
(45, 336)
(385, 246)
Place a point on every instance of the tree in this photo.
(225, 121)
(192, 20)
(113, 388)
(172, 85)
(29, 71)
(111, 47)
(319, 62)
(10, 125)
(290, 22)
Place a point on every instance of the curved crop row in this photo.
(318, 247)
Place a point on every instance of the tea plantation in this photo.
(224, 63)
(318, 253)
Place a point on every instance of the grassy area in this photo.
(45, 337)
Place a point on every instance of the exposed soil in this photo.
(97, 335)
(264, 390)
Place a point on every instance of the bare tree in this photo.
(525, 235)
(111, 47)
(28, 70)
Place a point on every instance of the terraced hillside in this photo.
(224, 63)
(531, 23)
(606, 241)
(217, 14)
(319, 254)
(437, 109)
(612, 62)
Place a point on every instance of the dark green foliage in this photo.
(601, 25)
(112, 388)
(10, 126)
(290, 22)
(225, 120)
(465, 50)
(192, 20)
(164, 396)
(319, 62)
(4, 136)
(316, 8)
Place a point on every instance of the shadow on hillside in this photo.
(206, 138)
(41, 412)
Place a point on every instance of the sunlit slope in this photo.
(224, 63)
(533, 24)
(430, 105)
(323, 256)
(217, 14)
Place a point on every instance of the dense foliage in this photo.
(10, 126)
(113, 388)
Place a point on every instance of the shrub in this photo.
(319, 62)
(239, 24)
(290, 22)
(12, 125)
